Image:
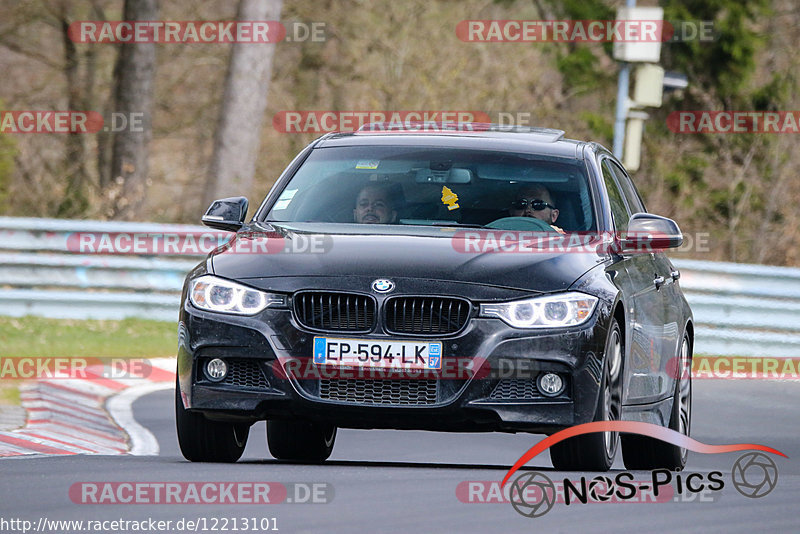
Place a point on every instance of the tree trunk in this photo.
(74, 201)
(134, 78)
(244, 100)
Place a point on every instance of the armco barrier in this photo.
(39, 275)
(739, 309)
(742, 309)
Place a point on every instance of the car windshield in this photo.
(436, 187)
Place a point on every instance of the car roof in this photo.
(528, 140)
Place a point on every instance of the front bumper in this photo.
(490, 386)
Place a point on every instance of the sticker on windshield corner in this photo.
(288, 194)
(449, 198)
(284, 200)
(368, 164)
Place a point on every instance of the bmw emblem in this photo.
(382, 285)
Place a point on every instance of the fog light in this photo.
(550, 384)
(216, 370)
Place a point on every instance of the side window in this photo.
(618, 208)
(628, 189)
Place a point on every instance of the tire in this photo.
(596, 451)
(202, 440)
(640, 452)
(300, 441)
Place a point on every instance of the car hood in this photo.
(273, 256)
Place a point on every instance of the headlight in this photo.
(552, 311)
(219, 295)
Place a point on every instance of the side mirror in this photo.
(649, 233)
(226, 214)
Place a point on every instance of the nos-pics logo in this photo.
(533, 494)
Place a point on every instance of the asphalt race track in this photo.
(405, 482)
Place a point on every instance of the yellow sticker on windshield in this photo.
(449, 198)
(371, 164)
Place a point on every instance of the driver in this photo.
(534, 200)
(374, 205)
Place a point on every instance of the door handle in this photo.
(675, 274)
(658, 281)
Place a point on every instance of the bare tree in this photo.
(244, 100)
(134, 76)
(74, 201)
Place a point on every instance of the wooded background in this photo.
(389, 55)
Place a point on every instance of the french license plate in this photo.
(371, 353)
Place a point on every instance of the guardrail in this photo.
(739, 309)
(742, 309)
(39, 275)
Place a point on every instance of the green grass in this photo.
(130, 338)
(9, 394)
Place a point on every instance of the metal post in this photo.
(622, 110)
(622, 102)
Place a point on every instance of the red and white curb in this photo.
(86, 416)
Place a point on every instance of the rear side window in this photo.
(618, 208)
(628, 189)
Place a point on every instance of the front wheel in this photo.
(596, 451)
(300, 441)
(202, 440)
(640, 452)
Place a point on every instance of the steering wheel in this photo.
(520, 224)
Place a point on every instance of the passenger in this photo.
(374, 206)
(534, 200)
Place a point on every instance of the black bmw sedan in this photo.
(465, 279)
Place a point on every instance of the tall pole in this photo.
(622, 101)
(622, 109)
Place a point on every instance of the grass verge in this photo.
(129, 338)
(9, 394)
(37, 337)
